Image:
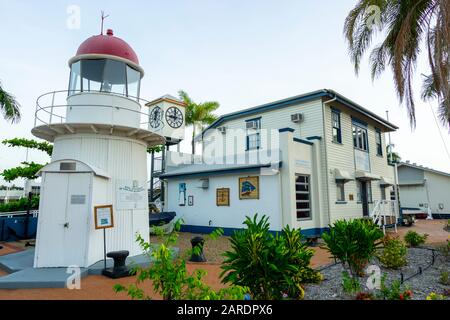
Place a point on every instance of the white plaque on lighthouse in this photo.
(131, 194)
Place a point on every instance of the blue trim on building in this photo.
(268, 107)
(303, 141)
(359, 122)
(217, 172)
(335, 109)
(253, 119)
(286, 130)
(314, 232)
(314, 138)
(302, 98)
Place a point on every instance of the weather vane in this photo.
(103, 19)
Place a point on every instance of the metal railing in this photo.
(382, 210)
(51, 107)
(11, 214)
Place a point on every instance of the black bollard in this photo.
(198, 256)
(119, 270)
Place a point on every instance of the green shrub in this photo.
(353, 243)
(169, 275)
(20, 205)
(393, 254)
(350, 284)
(271, 266)
(413, 239)
(444, 277)
(394, 292)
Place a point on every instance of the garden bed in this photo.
(421, 285)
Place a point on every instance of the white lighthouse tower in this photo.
(100, 137)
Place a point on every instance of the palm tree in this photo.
(405, 24)
(198, 114)
(9, 107)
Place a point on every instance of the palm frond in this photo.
(9, 107)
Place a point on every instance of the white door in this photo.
(63, 220)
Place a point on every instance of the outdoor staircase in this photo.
(385, 214)
(156, 191)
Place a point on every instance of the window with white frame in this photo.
(378, 142)
(340, 191)
(303, 196)
(360, 138)
(336, 126)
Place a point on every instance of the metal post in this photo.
(104, 247)
(152, 162)
(27, 217)
(51, 109)
(397, 200)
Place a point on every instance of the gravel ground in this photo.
(421, 285)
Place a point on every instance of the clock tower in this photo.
(167, 118)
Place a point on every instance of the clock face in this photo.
(174, 117)
(156, 117)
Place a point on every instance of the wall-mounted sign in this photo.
(182, 194)
(131, 194)
(350, 197)
(103, 217)
(223, 197)
(190, 201)
(249, 188)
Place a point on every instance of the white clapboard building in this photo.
(424, 190)
(304, 161)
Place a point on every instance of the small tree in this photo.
(198, 113)
(353, 242)
(28, 170)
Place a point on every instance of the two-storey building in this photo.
(305, 161)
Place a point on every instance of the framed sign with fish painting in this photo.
(249, 188)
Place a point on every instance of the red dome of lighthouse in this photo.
(109, 45)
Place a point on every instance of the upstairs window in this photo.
(360, 138)
(336, 123)
(253, 139)
(378, 142)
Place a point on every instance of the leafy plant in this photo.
(413, 239)
(435, 296)
(9, 107)
(20, 205)
(169, 275)
(393, 254)
(29, 143)
(395, 291)
(271, 266)
(444, 277)
(353, 243)
(350, 284)
(29, 171)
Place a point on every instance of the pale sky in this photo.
(239, 53)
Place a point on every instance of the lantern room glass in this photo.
(104, 75)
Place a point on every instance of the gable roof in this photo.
(419, 167)
(302, 98)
